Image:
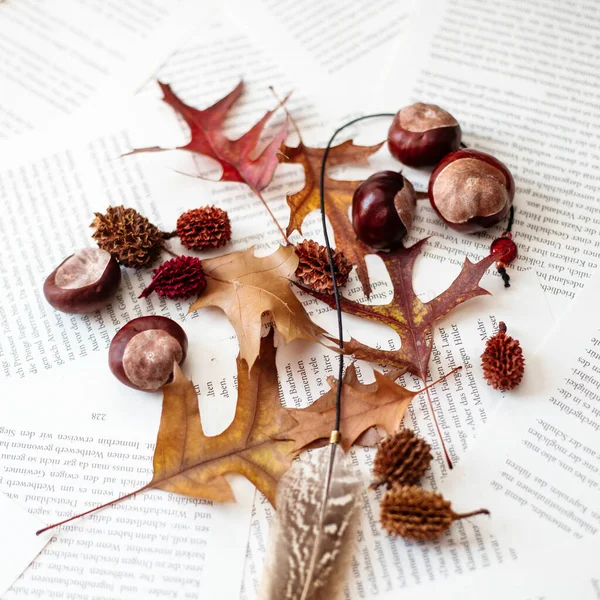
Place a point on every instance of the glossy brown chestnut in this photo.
(383, 207)
(143, 351)
(83, 282)
(422, 134)
(471, 190)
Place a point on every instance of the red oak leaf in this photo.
(411, 318)
(234, 156)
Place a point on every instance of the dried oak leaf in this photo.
(411, 318)
(364, 406)
(234, 156)
(188, 462)
(245, 286)
(338, 197)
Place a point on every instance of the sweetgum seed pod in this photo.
(422, 134)
(383, 207)
(84, 282)
(471, 190)
(143, 352)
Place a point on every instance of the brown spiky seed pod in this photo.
(502, 361)
(313, 267)
(402, 458)
(128, 236)
(206, 227)
(417, 514)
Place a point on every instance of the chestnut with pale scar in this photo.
(471, 190)
(84, 282)
(422, 134)
(143, 352)
(420, 117)
(467, 188)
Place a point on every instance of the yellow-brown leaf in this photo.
(380, 403)
(188, 462)
(338, 197)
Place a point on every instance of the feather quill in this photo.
(311, 535)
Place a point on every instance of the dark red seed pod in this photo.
(143, 352)
(471, 190)
(383, 207)
(84, 282)
(422, 134)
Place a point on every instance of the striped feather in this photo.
(311, 538)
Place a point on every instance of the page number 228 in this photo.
(98, 416)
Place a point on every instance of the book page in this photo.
(78, 440)
(19, 544)
(546, 473)
(61, 55)
(507, 71)
(338, 50)
(571, 573)
(38, 189)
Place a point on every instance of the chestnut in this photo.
(83, 282)
(471, 190)
(383, 207)
(422, 134)
(142, 353)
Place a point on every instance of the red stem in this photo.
(437, 426)
(92, 510)
(272, 216)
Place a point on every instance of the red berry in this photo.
(143, 352)
(422, 134)
(471, 190)
(504, 249)
(383, 207)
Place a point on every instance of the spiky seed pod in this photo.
(313, 267)
(502, 361)
(178, 278)
(128, 236)
(206, 227)
(417, 514)
(402, 458)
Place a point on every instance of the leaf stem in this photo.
(287, 112)
(92, 510)
(285, 237)
(437, 427)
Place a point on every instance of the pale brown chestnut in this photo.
(143, 352)
(471, 190)
(422, 134)
(83, 282)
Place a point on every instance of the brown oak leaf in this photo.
(245, 286)
(338, 197)
(411, 318)
(190, 463)
(382, 403)
(237, 157)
